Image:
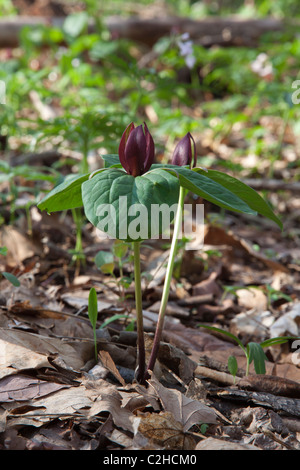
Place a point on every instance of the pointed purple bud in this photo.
(185, 152)
(136, 150)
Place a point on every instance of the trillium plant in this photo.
(125, 199)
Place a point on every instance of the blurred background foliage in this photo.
(235, 100)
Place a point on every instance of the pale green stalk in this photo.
(139, 313)
(168, 279)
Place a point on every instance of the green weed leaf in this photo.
(75, 24)
(104, 261)
(93, 307)
(277, 340)
(257, 355)
(232, 365)
(226, 333)
(11, 278)
(120, 249)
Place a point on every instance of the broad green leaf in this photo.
(66, 195)
(257, 355)
(111, 160)
(3, 250)
(243, 191)
(127, 208)
(11, 278)
(75, 23)
(5, 177)
(211, 191)
(93, 307)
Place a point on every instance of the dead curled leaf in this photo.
(109, 364)
(108, 399)
(185, 410)
(22, 350)
(212, 443)
(21, 388)
(164, 430)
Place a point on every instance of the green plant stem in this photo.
(139, 313)
(167, 284)
(247, 365)
(95, 343)
(78, 219)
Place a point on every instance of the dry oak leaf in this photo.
(63, 403)
(212, 443)
(20, 350)
(22, 388)
(163, 430)
(109, 400)
(185, 410)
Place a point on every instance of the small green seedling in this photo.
(104, 261)
(271, 293)
(107, 261)
(254, 352)
(9, 276)
(93, 317)
(275, 294)
(232, 366)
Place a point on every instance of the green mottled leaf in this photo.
(121, 205)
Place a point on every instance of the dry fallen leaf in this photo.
(60, 404)
(109, 364)
(109, 400)
(21, 350)
(185, 410)
(162, 429)
(22, 388)
(252, 298)
(212, 443)
(19, 246)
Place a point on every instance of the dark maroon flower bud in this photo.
(136, 150)
(185, 152)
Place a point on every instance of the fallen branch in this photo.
(273, 185)
(217, 376)
(207, 32)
